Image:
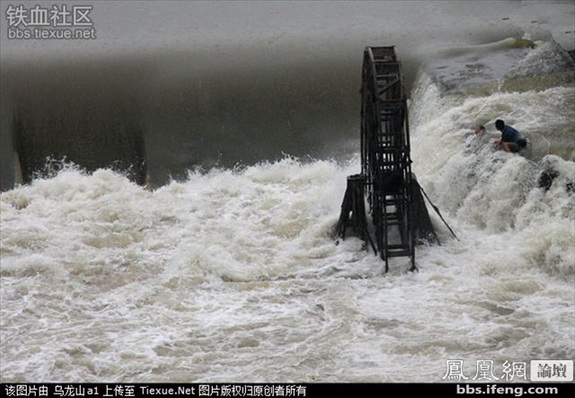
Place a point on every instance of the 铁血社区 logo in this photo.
(55, 22)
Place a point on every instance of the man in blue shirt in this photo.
(511, 139)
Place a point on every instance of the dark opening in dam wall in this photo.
(71, 114)
(91, 136)
(156, 117)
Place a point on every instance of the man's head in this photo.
(499, 124)
(479, 129)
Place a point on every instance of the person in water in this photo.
(479, 130)
(511, 139)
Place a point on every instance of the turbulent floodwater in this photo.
(233, 274)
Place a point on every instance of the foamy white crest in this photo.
(546, 57)
(494, 191)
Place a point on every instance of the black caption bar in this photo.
(284, 390)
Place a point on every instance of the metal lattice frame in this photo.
(385, 153)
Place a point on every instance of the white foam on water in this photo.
(234, 275)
